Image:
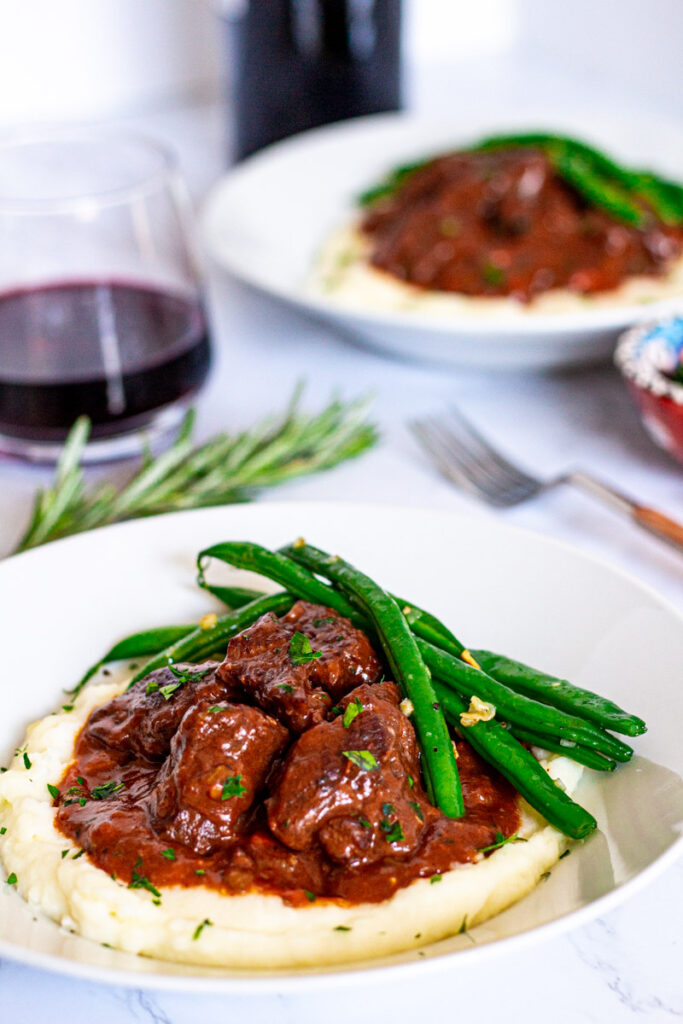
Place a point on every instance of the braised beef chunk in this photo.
(346, 657)
(219, 761)
(352, 784)
(142, 720)
(263, 859)
(261, 662)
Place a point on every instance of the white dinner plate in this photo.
(533, 598)
(266, 220)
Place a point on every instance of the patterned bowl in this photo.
(649, 356)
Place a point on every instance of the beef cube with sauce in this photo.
(352, 784)
(142, 720)
(219, 761)
(297, 680)
(346, 656)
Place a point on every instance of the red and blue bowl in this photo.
(650, 356)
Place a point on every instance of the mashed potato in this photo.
(202, 926)
(344, 276)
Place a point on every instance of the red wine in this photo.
(299, 65)
(117, 352)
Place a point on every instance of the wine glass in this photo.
(100, 306)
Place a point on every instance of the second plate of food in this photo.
(238, 831)
(523, 255)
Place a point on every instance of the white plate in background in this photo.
(498, 587)
(267, 219)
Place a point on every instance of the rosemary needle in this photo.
(223, 470)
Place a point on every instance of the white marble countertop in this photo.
(623, 966)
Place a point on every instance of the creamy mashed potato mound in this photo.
(253, 930)
(343, 275)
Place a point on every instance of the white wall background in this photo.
(83, 59)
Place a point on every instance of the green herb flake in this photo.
(388, 810)
(215, 708)
(233, 787)
(151, 687)
(418, 810)
(200, 871)
(393, 833)
(364, 822)
(27, 760)
(493, 274)
(501, 840)
(435, 878)
(545, 876)
(3, 830)
(11, 879)
(353, 709)
(200, 928)
(300, 650)
(106, 790)
(67, 707)
(310, 896)
(169, 854)
(157, 902)
(341, 928)
(285, 687)
(565, 854)
(139, 881)
(463, 927)
(64, 854)
(77, 855)
(411, 781)
(321, 622)
(53, 791)
(363, 759)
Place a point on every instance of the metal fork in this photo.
(469, 461)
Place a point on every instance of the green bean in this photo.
(559, 693)
(519, 677)
(396, 639)
(203, 641)
(574, 751)
(516, 708)
(149, 641)
(520, 767)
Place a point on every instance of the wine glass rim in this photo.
(163, 166)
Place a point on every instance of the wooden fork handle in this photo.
(649, 519)
(659, 524)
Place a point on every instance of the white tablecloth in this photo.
(624, 966)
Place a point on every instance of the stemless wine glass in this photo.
(100, 306)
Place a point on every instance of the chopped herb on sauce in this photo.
(353, 709)
(233, 787)
(200, 928)
(363, 759)
(53, 791)
(300, 650)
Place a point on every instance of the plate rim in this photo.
(361, 972)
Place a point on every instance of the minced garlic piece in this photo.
(478, 711)
(406, 706)
(208, 621)
(466, 656)
(299, 543)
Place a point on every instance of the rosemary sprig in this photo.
(226, 469)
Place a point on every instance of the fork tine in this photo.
(447, 465)
(468, 464)
(492, 453)
(498, 478)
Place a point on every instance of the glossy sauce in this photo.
(300, 833)
(505, 224)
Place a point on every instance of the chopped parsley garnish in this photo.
(80, 780)
(200, 871)
(463, 927)
(336, 710)
(418, 810)
(435, 878)
(545, 876)
(341, 928)
(139, 881)
(215, 707)
(565, 854)
(67, 707)
(77, 855)
(12, 879)
(285, 687)
(200, 928)
(492, 274)
(393, 833)
(310, 896)
(300, 650)
(53, 791)
(501, 841)
(364, 822)
(411, 781)
(4, 829)
(169, 854)
(363, 759)
(27, 760)
(64, 853)
(321, 622)
(106, 790)
(353, 709)
(233, 787)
